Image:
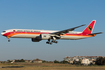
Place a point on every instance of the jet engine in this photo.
(36, 39)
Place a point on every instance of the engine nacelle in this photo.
(36, 39)
(44, 36)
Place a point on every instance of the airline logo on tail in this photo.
(89, 28)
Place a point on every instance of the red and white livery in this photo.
(51, 36)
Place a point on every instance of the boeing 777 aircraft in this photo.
(51, 36)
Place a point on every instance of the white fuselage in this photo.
(26, 33)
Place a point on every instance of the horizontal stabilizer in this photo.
(96, 33)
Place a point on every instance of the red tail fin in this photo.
(89, 28)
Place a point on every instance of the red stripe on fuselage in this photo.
(10, 34)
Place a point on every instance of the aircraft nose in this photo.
(2, 33)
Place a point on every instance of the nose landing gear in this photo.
(9, 40)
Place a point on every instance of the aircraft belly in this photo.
(24, 36)
(72, 37)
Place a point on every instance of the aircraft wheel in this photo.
(56, 41)
(47, 42)
(50, 43)
(8, 40)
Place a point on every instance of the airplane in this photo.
(51, 36)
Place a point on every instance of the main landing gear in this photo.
(53, 41)
(48, 42)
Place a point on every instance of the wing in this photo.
(66, 31)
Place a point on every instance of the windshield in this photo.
(4, 31)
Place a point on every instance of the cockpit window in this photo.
(4, 31)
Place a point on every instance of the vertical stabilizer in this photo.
(89, 28)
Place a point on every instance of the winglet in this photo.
(89, 28)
